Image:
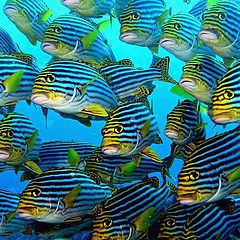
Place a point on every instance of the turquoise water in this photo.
(66, 129)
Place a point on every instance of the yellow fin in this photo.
(154, 48)
(82, 89)
(10, 216)
(32, 166)
(200, 126)
(210, 3)
(143, 221)
(71, 197)
(150, 153)
(127, 169)
(96, 110)
(145, 128)
(163, 16)
(31, 140)
(12, 83)
(203, 109)
(228, 62)
(137, 160)
(45, 15)
(234, 175)
(177, 90)
(73, 158)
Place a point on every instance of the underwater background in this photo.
(59, 128)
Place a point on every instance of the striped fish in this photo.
(211, 172)
(127, 81)
(220, 28)
(17, 78)
(74, 38)
(225, 100)
(183, 122)
(19, 140)
(131, 128)
(200, 75)
(90, 8)
(7, 45)
(31, 17)
(119, 6)
(198, 9)
(121, 169)
(61, 195)
(73, 88)
(179, 37)
(10, 222)
(130, 212)
(139, 22)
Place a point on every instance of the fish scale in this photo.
(53, 186)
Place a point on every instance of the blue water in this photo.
(64, 129)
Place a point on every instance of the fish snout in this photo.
(10, 10)
(5, 154)
(187, 83)
(171, 133)
(48, 47)
(70, 3)
(208, 35)
(110, 150)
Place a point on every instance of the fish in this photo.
(200, 75)
(179, 37)
(19, 140)
(60, 195)
(211, 172)
(30, 17)
(71, 37)
(220, 29)
(7, 45)
(119, 7)
(182, 124)
(90, 8)
(17, 78)
(127, 81)
(130, 130)
(139, 23)
(119, 170)
(10, 222)
(225, 106)
(199, 221)
(198, 9)
(56, 154)
(74, 88)
(130, 212)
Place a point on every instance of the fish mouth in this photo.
(4, 154)
(111, 150)
(128, 36)
(39, 98)
(10, 9)
(171, 134)
(187, 198)
(208, 35)
(48, 47)
(222, 118)
(187, 83)
(165, 42)
(25, 212)
(70, 3)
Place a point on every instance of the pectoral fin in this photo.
(71, 197)
(31, 140)
(73, 158)
(95, 110)
(33, 167)
(127, 169)
(12, 83)
(150, 153)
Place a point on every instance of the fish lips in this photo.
(208, 35)
(25, 212)
(48, 46)
(10, 10)
(224, 117)
(129, 36)
(5, 153)
(167, 42)
(111, 150)
(171, 134)
(40, 98)
(188, 198)
(70, 3)
(187, 83)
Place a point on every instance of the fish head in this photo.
(112, 228)
(220, 28)
(179, 34)
(181, 121)
(225, 103)
(49, 89)
(199, 184)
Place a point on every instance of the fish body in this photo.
(30, 17)
(198, 9)
(179, 37)
(119, 6)
(127, 81)
(73, 88)
(10, 222)
(7, 45)
(225, 106)
(60, 195)
(200, 76)
(130, 212)
(220, 28)
(90, 8)
(74, 38)
(19, 140)
(17, 78)
(139, 24)
(211, 172)
(131, 128)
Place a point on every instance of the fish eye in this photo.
(198, 67)
(118, 129)
(107, 222)
(228, 94)
(58, 29)
(170, 222)
(222, 16)
(194, 175)
(104, 131)
(177, 26)
(99, 158)
(9, 133)
(136, 16)
(50, 78)
(36, 192)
